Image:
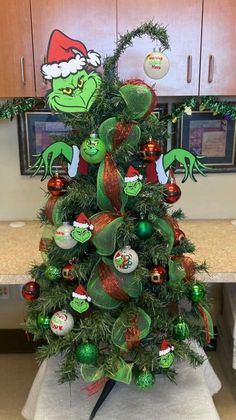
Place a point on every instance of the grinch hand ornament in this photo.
(81, 298)
(82, 229)
(133, 184)
(166, 354)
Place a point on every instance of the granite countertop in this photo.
(215, 242)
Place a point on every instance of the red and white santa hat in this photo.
(81, 293)
(66, 56)
(132, 175)
(82, 221)
(165, 348)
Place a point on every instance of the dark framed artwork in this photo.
(161, 110)
(211, 136)
(36, 130)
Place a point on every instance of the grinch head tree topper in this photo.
(73, 86)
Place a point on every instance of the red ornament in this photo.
(171, 193)
(188, 265)
(31, 291)
(68, 272)
(57, 185)
(158, 274)
(150, 151)
(179, 236)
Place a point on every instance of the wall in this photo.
(212, 197)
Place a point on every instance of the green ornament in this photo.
(180, 329)
(86, 353)
(144, 229)
(93, 150)
(52, 273)
(197, 292)
(43, 321)
(145, 380)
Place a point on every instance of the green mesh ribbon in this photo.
(165, 230)
(176, 272)
(104, 232)
(140, 98)
(121, 372)
(137, 323)
(108, 288)
(113, 133)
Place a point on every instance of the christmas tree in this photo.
(108, 296)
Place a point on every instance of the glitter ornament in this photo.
(150, 151)
(43, 321)
(145, 380)
(53, 273)
(63, 236)
(180, 329)
(125, 260)
(31, 291)
(197, 292)
(61, 323)
(156, 65)
(86, 353)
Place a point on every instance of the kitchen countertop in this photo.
(215, 242)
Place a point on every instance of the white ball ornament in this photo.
(156, 65)
(125, 260)
(63, 237)
(61, 323)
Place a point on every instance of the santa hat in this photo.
(132, 175)
(165, 348)
(81, 293)
(66, 56)
(82, 221)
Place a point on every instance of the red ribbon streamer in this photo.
(205, 320)
(132, 334)
(110, 283)
(101, 220)
(122, 131)
(50, 206)
(111, 182)
(94, 387)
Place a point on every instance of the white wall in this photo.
(212, 197)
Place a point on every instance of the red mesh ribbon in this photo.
(154, 96)
(110, 284)
(188, 265)
(101, 220)
(206, 323)
(93, 388)
(111, 182)
(44, 244)
(172, 222)
(121, 132)
(50, 206)
(132, 334)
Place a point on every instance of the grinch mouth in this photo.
(91, 152)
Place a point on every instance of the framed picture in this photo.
(211, 136)
(36, 130)
(161, 110)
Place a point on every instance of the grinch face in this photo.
(133, 188)
(79, 305)
(166, 360)
(81, 234)
(75, 93)
(93, 150)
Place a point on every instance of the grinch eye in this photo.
(80, 83)
(67, 91)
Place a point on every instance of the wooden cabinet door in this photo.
(182, 19)
(92, 22)
(16, 54)
(218, 48)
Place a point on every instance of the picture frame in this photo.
(161, 110)
(36, 130)
(211, 136)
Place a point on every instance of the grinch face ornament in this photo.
(81, 298)
(133, 184)
(73, 88)
(93, 150)
(166, 354)
(82, 229)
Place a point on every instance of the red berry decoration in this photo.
(171, 193)
(179, 236)
(187, 263)
(158, 274)
(68, 272)
(57, 185)
(150, 151)
(31, 291)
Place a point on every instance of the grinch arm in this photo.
(188, 160)
(52, 152)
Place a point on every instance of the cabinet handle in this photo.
(211, 68)
(22, 69)
(43, 61)
(189, 68)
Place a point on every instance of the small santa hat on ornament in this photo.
(66, 56)
(132, 175)
(165, 348)
(82, 221)
(81, 293)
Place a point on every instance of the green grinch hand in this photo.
(188, 160)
